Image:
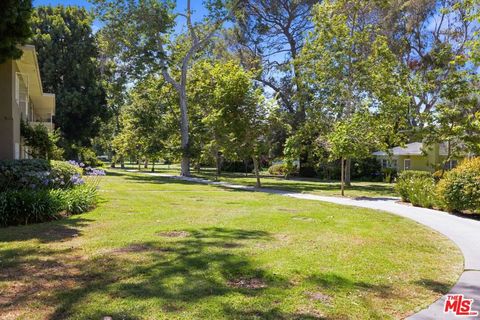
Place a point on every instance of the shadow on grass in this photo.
(175, 270)
(335, 282)
(55, 231)
(435, 286)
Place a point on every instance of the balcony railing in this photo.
(48, 125)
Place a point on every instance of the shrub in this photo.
(278, 170)
(88, 157)
(37, 174)
(389, 174)
(459, 190)
(406, 181)
(80, 199)
(22, 174)
(30, 206)
(64, 175)
(422, 192)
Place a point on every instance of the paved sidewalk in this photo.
(465, 233)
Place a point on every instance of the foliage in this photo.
(14, 27)
(30, 206)
(68, 62)
(352, 138)
(88, 157)
(38, 174)
(146, 125)
(279, 169)
(406, 180)
(421, 192)
(459, 190)
(80, 199)
(37, 190)
(42, 143)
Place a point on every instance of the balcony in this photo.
(48, 125)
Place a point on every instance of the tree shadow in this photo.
(435, 286)
(54, 231)
(336, 282)
(176, 271)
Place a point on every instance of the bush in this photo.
(21, 174)
(389, 174)
(459, 190)
(80, 199)
(37, 174)
(422, 192)
(63, 174)
(407, 179)
(30, 206)
(88, 157)
(278, 170)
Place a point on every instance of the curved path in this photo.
(465, 233)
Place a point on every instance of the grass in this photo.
(305, 185)
(161, 249)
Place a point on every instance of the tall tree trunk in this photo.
(257, 171)
(153, 165)
(185, 164)
(342, 179)
(348, 169)
(145, 164)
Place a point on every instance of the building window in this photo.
(384, 163)
(450, 164)
(407, 164)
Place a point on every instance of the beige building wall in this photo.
(9, 116)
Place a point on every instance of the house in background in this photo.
(416, 156)
(22, 97)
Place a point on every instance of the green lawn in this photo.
(162, 249)
(313, 186)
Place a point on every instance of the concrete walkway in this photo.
(465, 233)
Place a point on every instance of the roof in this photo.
(411, 149)
(28, 66)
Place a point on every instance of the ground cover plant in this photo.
(157, 248)
(33, 191)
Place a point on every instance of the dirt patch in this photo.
(135, 248)
(303, 219)
(318, 296)
(171, 307)
(173, 234)
(231, 245)
(250, 283)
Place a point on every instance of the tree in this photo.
(431, 39)
(273, 32)
(146, 123)
(349, 66)
(41, 143)
(14, 27)
(351, 138)
(269, 36)
(67, 57)
(221, 92)
(139, 33)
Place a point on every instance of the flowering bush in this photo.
(36, 190)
